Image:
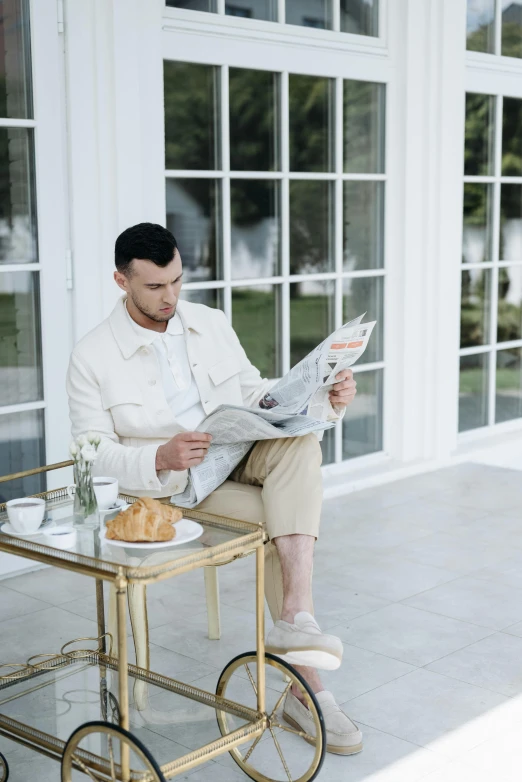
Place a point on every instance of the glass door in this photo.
(23, 252)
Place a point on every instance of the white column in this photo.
(116, 145)
(425, 152)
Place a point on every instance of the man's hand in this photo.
(184, 450)
(343, 392)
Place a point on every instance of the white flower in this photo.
(94, 439)
(88, 453)
(73, 449)
(81, 441)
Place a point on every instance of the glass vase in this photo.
(85, 506)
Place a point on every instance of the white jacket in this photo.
(114, 387)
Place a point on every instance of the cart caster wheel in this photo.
(4, 769)
(281, 753)
(95, 749)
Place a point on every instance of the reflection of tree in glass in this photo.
(311, 226)
(311, 108)
(191, 116)
(363, 127)
(509, 314)
(512, 137)
(474, 308)
(192, 216)
(255, 318)
(311, 319)
(253, 120)
(478, 150)
(512, 30)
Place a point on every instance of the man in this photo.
(144, 379)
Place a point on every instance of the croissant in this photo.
(146, 521)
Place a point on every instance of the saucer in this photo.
(8, 530)
(119, 505)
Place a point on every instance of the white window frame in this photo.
(276, 30)
(51, 214)
(226, 45)
(47, 77)
(498, 76)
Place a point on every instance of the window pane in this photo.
(481, 25)
(475, 307)
(477, 232)
(20, 352)
(310, 13)
(255, 230)
(512, 137)
(328, 446)
(509, 303)
(362, 424)
(364, 114)
(17, 197)
(254, 136)
(210, 297)
(311, 123)
(191, 116)
(366, 294)
(363, 225)
(360, 17)
(22, 447)
(508, 399)
(15, 60)
(480, 134)
(253, 9)
(193, 216)
(473, 394)
(312, 316)
(511, 28)
(311, 227)
(257, 321)
(511, 223)
(194, 5)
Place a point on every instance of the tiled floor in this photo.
(422, 580)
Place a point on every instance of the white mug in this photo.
(25, 514)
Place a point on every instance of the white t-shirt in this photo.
(181, 391)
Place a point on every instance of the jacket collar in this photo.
(129, 339)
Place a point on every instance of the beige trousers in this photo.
(279, 485)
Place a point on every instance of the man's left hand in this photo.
(344, 390)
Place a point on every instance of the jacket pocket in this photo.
(224, 370)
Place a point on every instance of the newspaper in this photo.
(296, 405)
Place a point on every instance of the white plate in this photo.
(118, 506)
(8, 530)
(186, 530)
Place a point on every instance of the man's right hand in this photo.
(185, 450)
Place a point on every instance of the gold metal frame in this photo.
(252, 537)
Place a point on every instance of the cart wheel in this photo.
(280, 754)
(99, 754)
(4, 769)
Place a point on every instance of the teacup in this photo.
(106, 490)
(25, 514)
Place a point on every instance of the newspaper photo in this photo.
(296, 404)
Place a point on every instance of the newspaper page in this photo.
(296, 405)
(234, 430)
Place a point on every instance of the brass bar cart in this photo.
(87, 679)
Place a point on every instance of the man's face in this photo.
(153, 290)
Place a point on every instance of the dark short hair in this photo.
(146, 241)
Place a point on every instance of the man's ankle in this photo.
(289, 614)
